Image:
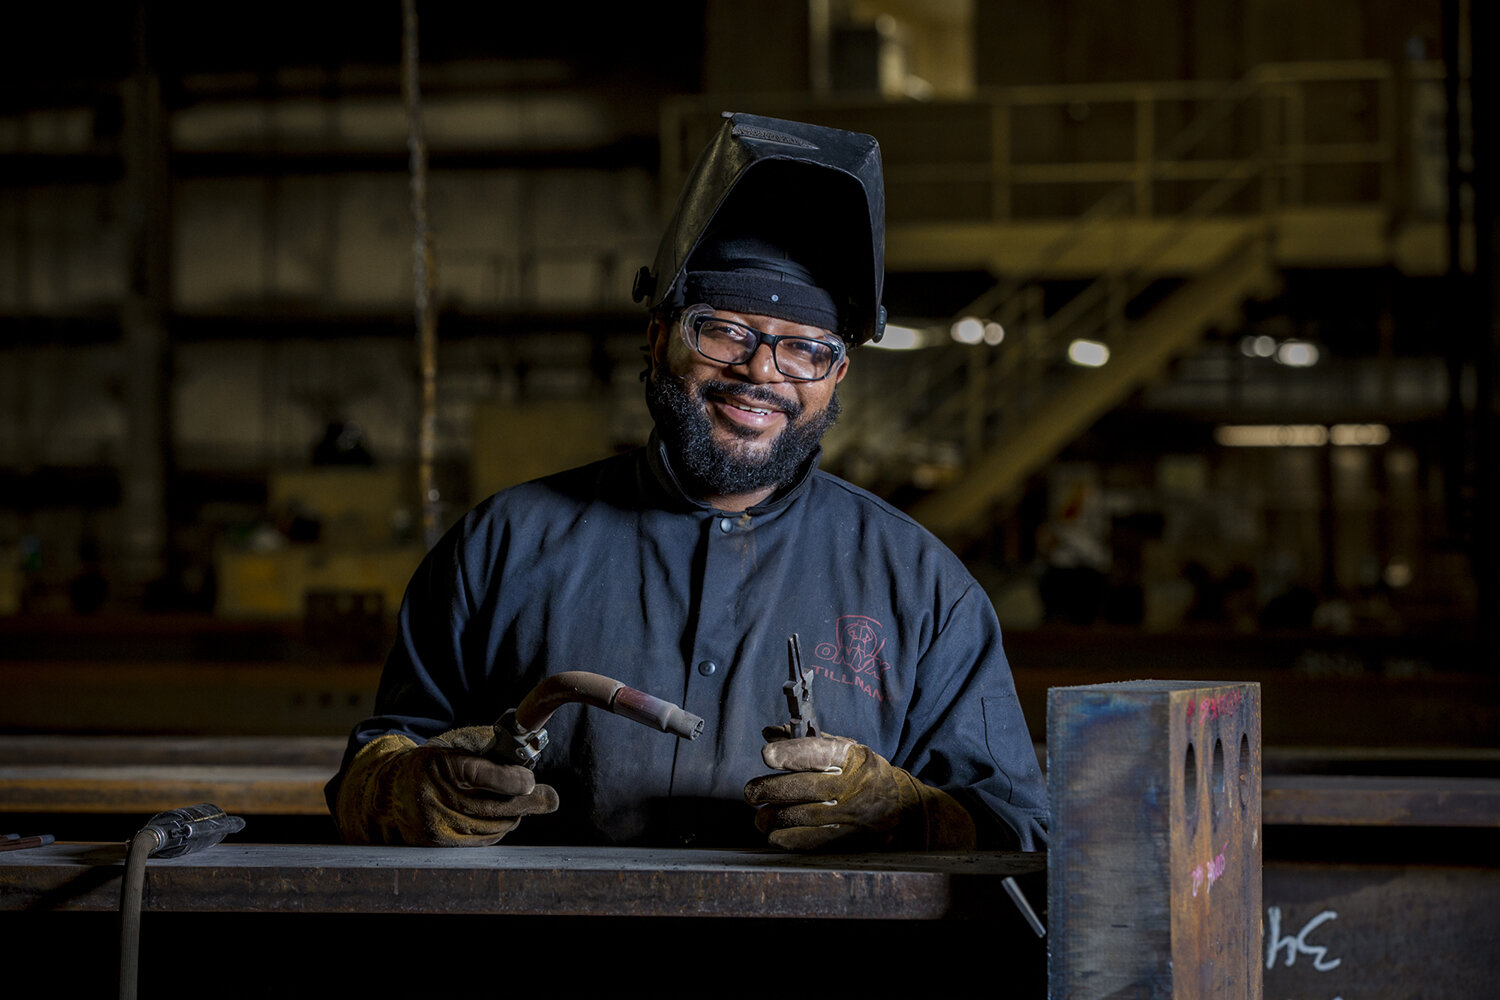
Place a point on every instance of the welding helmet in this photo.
(783, 219)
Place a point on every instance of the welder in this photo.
(681, 568)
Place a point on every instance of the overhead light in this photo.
(1271, 435)
(1367, 435)
(1292, 353)
(994, 333)
(1301, 435)
(1089, 353)
(899, 338)
(1262, 346)
(968, 330)
(1297, 354)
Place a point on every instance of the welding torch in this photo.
(520, 735)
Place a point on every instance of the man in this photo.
(681, 569)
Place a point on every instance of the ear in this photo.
(658, 339)
(841, 370)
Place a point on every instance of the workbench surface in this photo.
(260, 878)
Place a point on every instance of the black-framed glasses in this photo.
(806, 359)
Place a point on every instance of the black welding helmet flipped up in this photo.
(814, 193)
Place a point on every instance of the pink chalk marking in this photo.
(1212, 870)
(1216, 706)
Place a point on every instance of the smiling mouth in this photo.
(746, 418)
(761, 404)
(748, 407)
(747, 412)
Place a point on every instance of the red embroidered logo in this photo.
(854, 658)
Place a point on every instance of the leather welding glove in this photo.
(842, 795)
(441, 793)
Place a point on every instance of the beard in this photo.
(710, 468)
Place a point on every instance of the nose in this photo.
(761, 366)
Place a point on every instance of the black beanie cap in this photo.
(747, 274)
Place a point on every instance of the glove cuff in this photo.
(365, 809)
(937, 821)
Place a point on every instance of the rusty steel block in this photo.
(1154, 870)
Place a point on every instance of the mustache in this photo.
(750, 394)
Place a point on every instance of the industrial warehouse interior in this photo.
(1190, 357)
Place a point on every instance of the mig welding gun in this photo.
(471, 786)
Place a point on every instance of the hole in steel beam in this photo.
(1190, 788)
(1244, 770)
(1216, 786)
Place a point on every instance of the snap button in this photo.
(707, 668)
(726, 525)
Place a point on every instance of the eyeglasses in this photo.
(805, 359)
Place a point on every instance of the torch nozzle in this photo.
(520, 734)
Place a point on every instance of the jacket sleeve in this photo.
(426, 673)
(966, 733)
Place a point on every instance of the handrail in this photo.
(911, 163)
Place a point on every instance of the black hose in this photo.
(170, 834)
(142, 846)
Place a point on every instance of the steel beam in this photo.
(1154, 874)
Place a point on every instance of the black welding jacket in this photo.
(611, 568)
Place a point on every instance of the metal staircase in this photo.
(1017, 423)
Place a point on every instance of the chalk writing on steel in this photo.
(1210, 871)
(1298, 944)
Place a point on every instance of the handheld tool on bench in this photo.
(520, 735)
(16, 842)
(169, 834)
